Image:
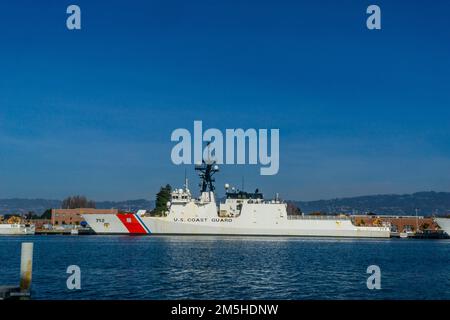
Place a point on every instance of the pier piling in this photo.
(26, 270)
(26, 266)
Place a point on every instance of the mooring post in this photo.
(26, 266)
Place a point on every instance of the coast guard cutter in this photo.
(241, 213)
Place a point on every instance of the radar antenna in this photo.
(206, 171)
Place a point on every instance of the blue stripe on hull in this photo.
(142, 223)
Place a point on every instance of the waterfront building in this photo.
(74, 216)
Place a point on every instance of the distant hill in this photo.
(21, 206)
(388, 204)
(131, 205)
(38, 206)
(428, 203)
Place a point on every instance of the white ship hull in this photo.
(302, 226)
(444, 223)
(311, 228)
(16, 229)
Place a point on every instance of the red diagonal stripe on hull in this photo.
(131, 223)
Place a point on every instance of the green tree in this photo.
(47, 214)
(292, 209)
(162, 197)
(424, 226)
(31, 216)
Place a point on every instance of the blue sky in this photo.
(91, 111)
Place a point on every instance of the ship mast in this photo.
(206, 171)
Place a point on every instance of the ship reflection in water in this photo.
(208, 267)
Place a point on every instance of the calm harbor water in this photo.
(188, 267)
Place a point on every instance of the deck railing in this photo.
(309, 217)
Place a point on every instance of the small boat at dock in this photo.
(16, 229)
(15, 226)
